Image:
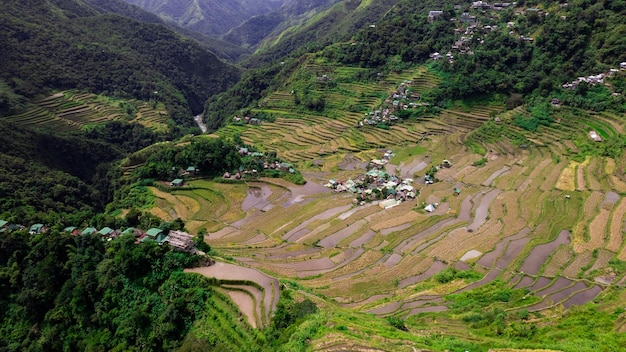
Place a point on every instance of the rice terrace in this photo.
(525, 218)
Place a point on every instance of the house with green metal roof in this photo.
(191, 170)
(129, 231)
(89, 231)
(177, 182)
(155, 234)
(107, 231)
(37, 228)
(3, 223)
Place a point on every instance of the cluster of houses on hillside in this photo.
(176, 239)
(179, 180)
(377, 184)
(594, 79)
(401, 99)
(470, 31)
(247, 120)
(262, 162)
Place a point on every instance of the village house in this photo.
(254, 121)
(37, 228)
(436, 56)
(107, 232)
(154, 234)
(431, 207)
(433, 15)
(89, 231)
(622, 65)
(466, 18)
(191, 171)
(480, 5)
(132, 231)
(177, 182)
(3, 224)
(501, 5)
(595, 136)
(73, 230)
(179, 240)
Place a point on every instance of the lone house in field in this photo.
(595, 136)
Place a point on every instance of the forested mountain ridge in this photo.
(68, 44)
(517, 50)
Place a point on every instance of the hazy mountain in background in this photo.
(292, 13)
(212, 17)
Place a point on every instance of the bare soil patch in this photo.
(582, 259)
(494, 175)
(597, 232)
(580, 176)
(471, 254)
(389, 230)
(335, 238)
(246, 305)
(226, 271)
(393, 259)
(297, 232)
(365, 238)
(557, 261)
(592, 174)
(602, 260)
(567, 179)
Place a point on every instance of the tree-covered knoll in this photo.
(61, 292)
(68, 44)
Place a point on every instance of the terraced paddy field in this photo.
(532, 222)
(71, 110)
(516, 223)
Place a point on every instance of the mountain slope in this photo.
(309, 31)
(210, 17)
(68, 44)
(292, 13)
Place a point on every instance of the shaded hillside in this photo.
(52, 173)
(61, 45)
(222, 49)
(207, 16)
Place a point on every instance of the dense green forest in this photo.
(103, 53)
(60, 292)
